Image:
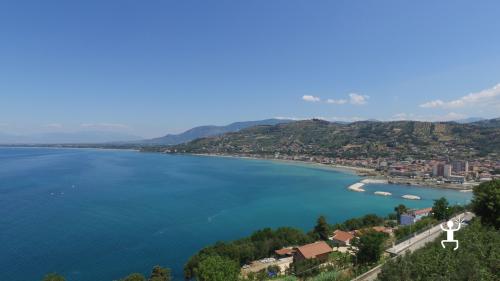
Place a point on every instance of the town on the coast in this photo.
(444, 173)
(459, 174)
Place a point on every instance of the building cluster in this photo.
(456, 171)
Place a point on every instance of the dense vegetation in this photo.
(216, 268)
(478, 255)
(260, 244)
(263, 243)
(398, 139)
(486, 203)
(477, 258)
(370, 247)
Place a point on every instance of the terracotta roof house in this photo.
(342, 237)
(317, 250)
(285, 252)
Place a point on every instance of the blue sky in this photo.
(152, 67)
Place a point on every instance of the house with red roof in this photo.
(317, 250)
(285, 252)
(342, 237)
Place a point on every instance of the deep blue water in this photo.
(95, 215)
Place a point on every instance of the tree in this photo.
(486, 203)
(216, 268)
(160, 274)
(134, 277)
(400, 209)
(441, 209)
(53, 277)
(305, 268)
(370, 247)
(322, 229)
(372, 220)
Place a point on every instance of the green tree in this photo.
(400, 209)
(305, 268)
(372, 220)
(53, 277)
(322, 229)
(441, 209)
(134, 277)
(370, 247)
(160, 274)
(486, 203)
(216, 268)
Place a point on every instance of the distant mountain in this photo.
(209, 131)
(469, 120)
(488, 123)
(79, 137)
(397, 139)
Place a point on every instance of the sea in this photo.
(98, 215)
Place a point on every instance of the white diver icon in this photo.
(449, 232)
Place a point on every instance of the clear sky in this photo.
(152, 67)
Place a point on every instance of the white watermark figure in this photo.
(449, 232)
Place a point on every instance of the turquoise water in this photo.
(97, 215)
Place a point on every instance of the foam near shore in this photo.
(357, 187)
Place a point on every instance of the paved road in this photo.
(411, 245)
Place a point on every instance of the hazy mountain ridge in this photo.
(67, 137)
(208, 131)
(358, 139)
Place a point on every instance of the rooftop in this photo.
(342, 235)
(314, 249)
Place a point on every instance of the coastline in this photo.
(359, 171)
(369, 176)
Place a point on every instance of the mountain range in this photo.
(396, 139)
(209, 131)
(79, 137)
(119, 138)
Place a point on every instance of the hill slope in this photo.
(360, 139)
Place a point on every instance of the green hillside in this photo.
(397, 139)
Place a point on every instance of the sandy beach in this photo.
(367, 173)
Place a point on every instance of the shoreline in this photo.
(359, 171)
(368, 175)
(374, 177)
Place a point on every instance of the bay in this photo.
(101, 214)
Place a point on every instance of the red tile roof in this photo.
(284, 251)
(422, 211)
(314, 249)
(342, 235)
